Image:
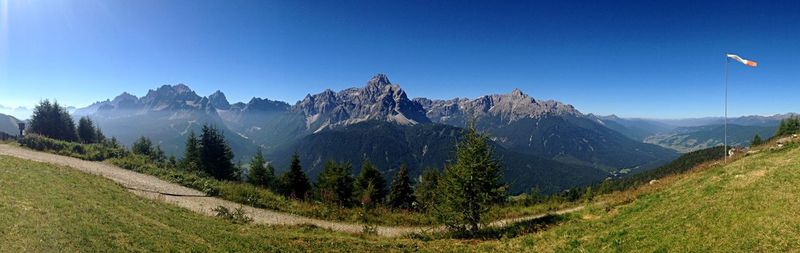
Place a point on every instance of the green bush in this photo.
(243, 193)
(92, 152)
(237, 216)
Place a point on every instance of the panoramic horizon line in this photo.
(380, 76)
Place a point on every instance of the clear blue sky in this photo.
(630, 58)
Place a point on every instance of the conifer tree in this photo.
(53, 121)
(260, 173)
(86, 131)
(402, 195)
(295, 182)
(469, 188)
(191, 154)
(370, 175)
(335, 184)
(143, 146)
(101, 138)
(215, 154)
(425, 191)
(158, 154)
(756, 141)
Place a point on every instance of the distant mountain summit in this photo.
(506, 108)
(218, 100)
(378, 100)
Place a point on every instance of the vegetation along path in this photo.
(154, 188)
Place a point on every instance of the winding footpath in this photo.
(154, 188)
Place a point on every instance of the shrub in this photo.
(237, 216)
(92, 152)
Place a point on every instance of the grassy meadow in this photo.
(749, 205)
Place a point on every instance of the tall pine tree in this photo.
(260, 172)
(425, 191)
(86, 131)
(215, 154)
(191, 154)
(370, 175)
(335, 184)
(401, 196)
(469, 188)
(295, 182)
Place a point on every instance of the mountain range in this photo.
(541, 143)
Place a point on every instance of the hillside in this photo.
(46, 207)
(687, 139)
(749, 205)
(8, 124)
(422, 146)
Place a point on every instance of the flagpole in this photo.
(725, 143)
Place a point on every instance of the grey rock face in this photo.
(378, 100)
(506, 107)
(265, 105)
(219, 101)
(172, 97)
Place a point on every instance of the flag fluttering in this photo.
(743, 61)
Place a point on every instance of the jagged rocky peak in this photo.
(378, 100)
(379, 80)
(265, 105)
(518, 93)
(125, 96)
(177, 96)
(125, 101)
(508, 107)
(219, 101)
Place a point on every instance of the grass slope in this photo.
(45, 208)
(750, 205)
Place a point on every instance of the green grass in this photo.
(45, 208)
(750, 205)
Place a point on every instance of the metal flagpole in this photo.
(725, 147)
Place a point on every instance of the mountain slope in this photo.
(687, 139)
(534, 134)
(749, 205)
(550, 129)
(78, 212)
(166, 115)
(636, 129)
(422, 146)
(8, 124)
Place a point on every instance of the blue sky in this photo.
(631, 58)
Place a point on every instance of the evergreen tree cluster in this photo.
(53, 121)
(144, 146)
(788, 126)
(261, 173)
(209, 153)
(294, 183)
(756, 141)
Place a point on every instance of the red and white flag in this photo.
(743, 61)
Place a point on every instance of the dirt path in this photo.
(150, 187)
